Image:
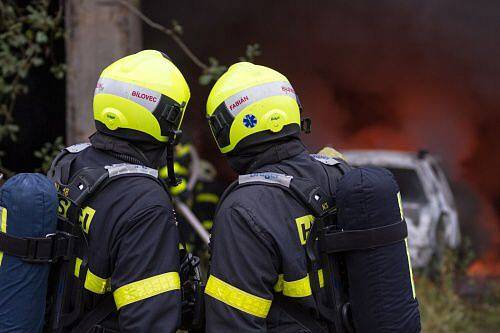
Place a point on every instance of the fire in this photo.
(486, 267)
(442, 121)
(488, 264)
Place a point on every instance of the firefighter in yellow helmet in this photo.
(125, 274)
(258, 264)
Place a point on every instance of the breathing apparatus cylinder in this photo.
(28, 209)
(381, 289)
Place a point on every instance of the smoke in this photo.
(386, 74)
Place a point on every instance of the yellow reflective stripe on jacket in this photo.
(93, 283)
(207, 197)
(237, 298)
(180, 170)
(410, 268)
(176, 190)
(142, 289)
(78, 264)
(3, 227)
(182, 149)
(297, 288)
(96, 284)
(207, 224)
(321, 278)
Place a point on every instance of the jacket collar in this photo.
(252, 159)
(148, 154)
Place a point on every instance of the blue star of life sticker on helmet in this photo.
(250, 121)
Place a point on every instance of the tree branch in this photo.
(169, 32)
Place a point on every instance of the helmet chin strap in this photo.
(168, 156)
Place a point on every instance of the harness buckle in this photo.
(49, 249)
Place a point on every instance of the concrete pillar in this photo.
(98, 33)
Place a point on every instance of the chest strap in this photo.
(39, 250)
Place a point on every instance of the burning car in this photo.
(428, 202)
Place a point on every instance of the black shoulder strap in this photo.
(88, 181)
(306, 192)
(61, 165)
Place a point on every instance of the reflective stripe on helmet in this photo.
(237, 298)
(142, 289)
(148, 98)
(236, 103)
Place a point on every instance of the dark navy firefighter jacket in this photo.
(133, 245)
(258, 248)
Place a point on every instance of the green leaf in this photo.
(205, 79)
(41, 37)
(37, 61)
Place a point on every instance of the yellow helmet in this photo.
(141, 97)
(251, 104)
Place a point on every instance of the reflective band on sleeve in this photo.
(266, 177)
(93, 282)
(410, 268)
(297, 288)
(3, 227)
(96, 284)
(237, 298)
(236, 103)
(207, 197)
(142, 289)
(125, 168)
(145, 97)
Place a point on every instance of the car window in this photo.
(409, 184)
